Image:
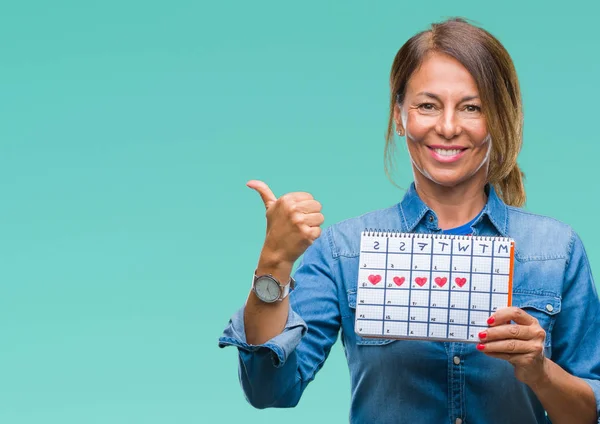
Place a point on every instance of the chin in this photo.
(445, 179)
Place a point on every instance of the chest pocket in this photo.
(542, 307)
(366, 341)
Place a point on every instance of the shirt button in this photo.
(456, 361)
(458, 421)
(549, 307)
(430, 218)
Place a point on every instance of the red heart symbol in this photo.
(421, 281)
(399, 281)
(460, 281)
(440, 281)
(374, 279)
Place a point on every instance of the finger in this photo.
(298, 196)
(503, 356)
(515, 360)
(511, 331)
(308, 206)
(511, 313)
(314, 219)
(510, 346)
(265, 192)
(313, 232)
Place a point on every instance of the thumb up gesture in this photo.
(293, 223)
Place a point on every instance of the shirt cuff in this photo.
(281, 346)
(595, 385)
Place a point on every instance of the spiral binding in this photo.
(375, 232)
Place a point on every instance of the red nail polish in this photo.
(491, 320)
(482, 335)
(480, 346)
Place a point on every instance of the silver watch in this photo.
(269, 290)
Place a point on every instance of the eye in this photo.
(427, 107)
(472, 108)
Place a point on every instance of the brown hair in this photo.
(492, 68)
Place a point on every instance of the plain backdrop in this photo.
(128, 131)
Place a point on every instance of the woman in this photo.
(455, 97)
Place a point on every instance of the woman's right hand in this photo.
(293, 224)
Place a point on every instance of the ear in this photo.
(398, 120)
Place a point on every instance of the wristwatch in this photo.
(269, 290)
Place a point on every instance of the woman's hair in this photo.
(492, 68)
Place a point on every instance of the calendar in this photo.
(431, 286)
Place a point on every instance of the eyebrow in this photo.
(436, 97)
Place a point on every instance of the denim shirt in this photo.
(406, 381)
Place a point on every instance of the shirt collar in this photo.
(413, 210)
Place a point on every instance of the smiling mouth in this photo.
(447, 152)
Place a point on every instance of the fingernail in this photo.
(491, 320)
(480, 346)
(482, 335)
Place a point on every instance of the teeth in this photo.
(446, 152)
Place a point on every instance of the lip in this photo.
(447, 159)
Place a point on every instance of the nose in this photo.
(448, 125)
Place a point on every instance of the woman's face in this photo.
(446, 132)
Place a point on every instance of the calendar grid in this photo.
(430, 284)
(422, 254)
(478, 281)
(449, 292)
(401, 320)
(402, 269)
(492, 273)
(375, 288)
(469, 304)
(410, 279)
(387, 243)
(424, 307)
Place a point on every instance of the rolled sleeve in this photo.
(279, 347)
(576, 334)
(275, 374)
(595, 385)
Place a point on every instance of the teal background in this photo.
(128, 132)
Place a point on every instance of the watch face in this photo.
(267, 289)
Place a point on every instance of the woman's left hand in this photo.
(521, 343)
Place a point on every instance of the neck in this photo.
(456, 205)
